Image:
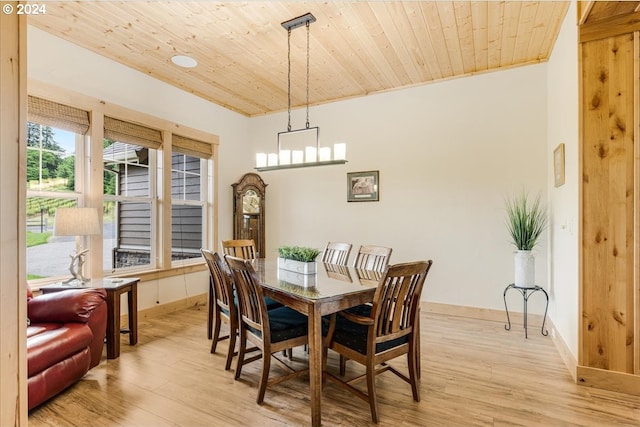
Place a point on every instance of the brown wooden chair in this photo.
(222, 306)
(272, 331)
(241, 248)
(336, 253)
(373, 258)
(387, 332)
(245, 249)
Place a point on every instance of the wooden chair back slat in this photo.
(252, 307)
(223, 290)
(240, 248)
(373, 257)
(336, 253)
(397, 299)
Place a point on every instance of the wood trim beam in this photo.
(609, 380)
(610, 27)
(584, 9)
(13, 315)
(636, 207)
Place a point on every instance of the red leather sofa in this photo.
(65, 338)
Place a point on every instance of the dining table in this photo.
(331, 289)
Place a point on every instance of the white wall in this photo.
(447, 153)
(82, 71)
(564, 201)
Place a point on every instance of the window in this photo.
(187, 206)
(132, 177)
(129, 159)
(55, 139)
(189, 171)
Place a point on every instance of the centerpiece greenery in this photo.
(298, 253)
(525, 220)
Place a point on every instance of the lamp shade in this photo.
(76, 222)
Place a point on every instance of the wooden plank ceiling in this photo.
(356, 48)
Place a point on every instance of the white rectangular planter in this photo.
(297, 266)
(298, 279)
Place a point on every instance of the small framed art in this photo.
(363, 186)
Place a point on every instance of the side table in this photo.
(115, 288)
(526, 293)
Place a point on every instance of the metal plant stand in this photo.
(526, 293)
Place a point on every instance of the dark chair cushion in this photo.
(354, 336)
(271, 303)
(285, 323)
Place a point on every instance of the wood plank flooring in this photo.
(474, 373)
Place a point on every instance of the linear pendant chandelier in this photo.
(306, 150)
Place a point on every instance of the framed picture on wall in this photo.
(558, 165)
(363, 186)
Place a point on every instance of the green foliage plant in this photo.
(298, 253)
(526, 220)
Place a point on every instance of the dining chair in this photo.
(241, 248)
(370, 261)
(222, 306)
(372, 257)
(336, 253)
(272, 331)
(387, 332)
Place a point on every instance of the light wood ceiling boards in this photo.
(357, 48)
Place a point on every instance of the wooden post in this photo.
(13, 313)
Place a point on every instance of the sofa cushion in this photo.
(51, 381)
(49, 343)
(73, 305)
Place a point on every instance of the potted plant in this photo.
(525, 222)
(298, 259)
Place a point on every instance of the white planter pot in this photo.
(297, 279)
(297, 266)
(525, 269)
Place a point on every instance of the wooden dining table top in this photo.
(330, 281)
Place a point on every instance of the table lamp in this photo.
(76, 222)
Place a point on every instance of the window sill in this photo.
(143, 275)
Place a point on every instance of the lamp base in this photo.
(75, 268)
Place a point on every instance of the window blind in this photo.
(132, 133)
(191, 147)
(49, 113)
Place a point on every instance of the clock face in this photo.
(250, 203)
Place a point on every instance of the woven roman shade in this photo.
(191, 147)
(131, 133)
(49, 113)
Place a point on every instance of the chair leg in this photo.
(343, 365)
(241, 350)
(232, 348)
(216, 331)
(417, 352)
(264, 376)
(210, 314)
(371, 389)
(414, 377)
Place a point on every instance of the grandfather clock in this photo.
(248, 210)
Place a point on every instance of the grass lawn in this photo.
(34, 239)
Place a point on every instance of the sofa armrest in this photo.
(74, 305)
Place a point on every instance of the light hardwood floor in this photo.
(474, 373)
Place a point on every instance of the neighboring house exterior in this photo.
(130, 165)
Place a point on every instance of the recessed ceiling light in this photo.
(184, 61)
